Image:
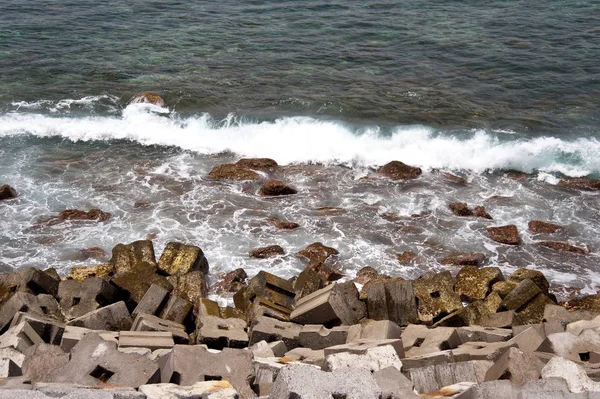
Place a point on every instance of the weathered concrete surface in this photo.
(315, 336)
(575, 375)
(41, 360)
(308, 356)
(152, 340)
(432, 378)
(199, 390)
(78, 298)
(20, 337)
(152, 302)
(394, 384)
(392, 300)
(419, 340)
(517, 366)
(270, 330)
(50, 331)
(146, 322)
(178, 258)
(436, 296)
(219, 333)
(361, 347)
(572, 347)
(268, 291)
(373, 359)
(266, 371)
(483, 334)
(113, 317)
(381, 329)
(336, 302)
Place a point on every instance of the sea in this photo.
(331, 90)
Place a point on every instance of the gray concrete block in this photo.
(8, 368)
(291, 383)
(266, 371)
(497, 320)
(377, 330)
(78, 298)
(373, 358)
(419, 340)
(279, 348)
(274, 294)
(12, 354)
(577, 327)
(146, 339)
(41, 360)
(71, 336)
(269, 329)
(186, 365)
(362, 346)
(483, 334)
(64, 390)
(394, 384)
(434, 377)
(315, 336)
(481, 351)
(573, 347)
(199, 390)
(152, 302)
(392, 300)
(517, 366)
(97, 362)
(20, 337)
(177, 309)
(307, 355)
(50, 331)
(114, 317)
(575, 375)
(261, 349)
(530, 339)
(13, 383)
(427, 359)
(19, 301)
(334, 303)
(562, 315)
(146, 322)
(217, 333)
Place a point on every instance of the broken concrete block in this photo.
(152, 302)
(560, 314)
(474, 283)
(307, 355)
(392, 300)
(261, 349)
(381, 329)
(270, 330)
(497, 320)
(481, 351)
(20, 337)
(71, 336)
(521, 295)
(8, 368)
(269, 291)
(77, 391)
(78, 298)
(436, 296)
(334, 303)
(419, 340)
(186, 365)
(278, 347)
(575, 375)
(177, 309)
(266, 371)
(217, 333)
(362, 346)
(200, 390)
(50, 331)
(95, 361)
(146, 322)
(484, 334)
(318, 337)
(472, 313)
(11, 353)
(31, 280)
(577, 327)
(146, 339)
(41, 360)
(347, 383)
(113, 317)
(529, 340)
(394, 384)
(179, 259)
(533, 312)
(572, 347)
(516, 366)
(373, 358)
(21, 301)
(427, 359)
(434, 377)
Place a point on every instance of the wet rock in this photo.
(264, 164)
(406, 257)
(536, 276)
(191, 286)
(138, 279)
(126, 256)
(505, 234)
(232, 172)
(148, 98)
(30, 280)
(563, 247)
(141, 204)
(367, 274)
(93, 253)
(78, 298)
(327, 272)
(267, 252)
(232, 281)
(436, 296)
(282, 224)
(274, 187)
(317, 252)
(178, 259)
(81, 273)
(473, 283)
(516, 175)
(7, 192)
(114, 317)
(449, 177)
(464, 259)
(588, 302)
(537, 226)
(76, 214)
(308, 281)
(462, 209)
(580, 183)
(479, 211)
(397, 170)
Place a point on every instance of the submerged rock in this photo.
(580, 183)
(232, 281)
(462, 209)
(317, 252)
(505, 234)
(397, 170)
(264, 164)
(267, 252)
(76, 214)
(537, 226)
(148, 98)
(282, 224)
(7, 192)
(449, 177)
(232, 172)
(406, 257)
(464, 259)
(588, 302)
(563, 247)
(274, 187)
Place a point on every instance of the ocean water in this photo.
(330, 90)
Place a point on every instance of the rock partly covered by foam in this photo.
(232, 172)
(505, 234)
(264, 164)
(580, 183)
(267, 252)
(397, 170)
(275, 187)
(538, 226)
(148, 98)
(462, 209)
(7, 192)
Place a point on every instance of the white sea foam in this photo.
(304, 139)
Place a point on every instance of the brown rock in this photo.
(138, 279)
(7, 192)
(140, 204)
(537, 226)
(148, 98)
(503, 288)
(536, 276)
(317, 252)
(93, 252)
(75, 214)
(81, 273)
(367, 274)
(563, 247)
(191, 286)
(267, 252)
(453, 178)
(406, 257)
(436, 296)
(588, 302)
(397, 170)
(580, 183)
(274, 187)
(232, 172)
(232, 281)
(282, 224)
(126, 256)
(473, 283)
(308, 281)
(462, 209)
(328, 272)
(533, 312)
(505, 234)
(264, 164)
(178, 258)
(464, 259)
(516, 175)
(480, 212)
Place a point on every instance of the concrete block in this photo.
(134, 282)
(427, 359)
(436, 296)
(394, 384)
(12, 354)
(146, 322)
(373, 358)
(392, 300)
(334, 303)
(266, 371)
(152, 302)
(307, 356)
(279, 348)
(543, 329)
(268, 291)
(41, 360)
(521, 295)
(481, 351)
(577, 327)
(199, 390)
(433, 378)
(21, 301)
(186, 365)
(562, 315)
(291, 383)
(20, 337)
(497, 320)
(97, 362)
(71, 336)
(530, 339)
(126, 257)
(576, 348)
(318, 337)
(177, 309)
(8, 368)
(362, 346)
(261, 349)
(517, 366)
(178, 259)
(75, 391)
(113, 317)
(15, 383)
(575, 375)
(30, 280)
(419, 340)
(146, 339)
(269, 329)
(381, 329)
(50, 331)
(78, 298)
(483, 334)
(217, 333)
